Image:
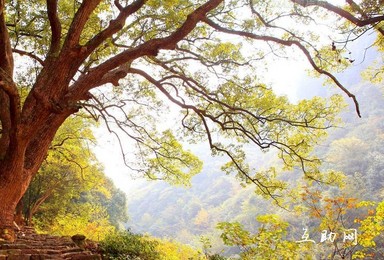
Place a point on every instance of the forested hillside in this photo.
(71, 194)
(355, 148)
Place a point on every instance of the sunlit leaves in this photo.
(372, 226)
(357, 225)
(158, 18)
(332, 58)
(167, 160)
(222, 51)
(90, 220)
(269, 241)
(293, 129)
(234, 234)
(120, 245)
(375, 73)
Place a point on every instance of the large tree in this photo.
(200, 55)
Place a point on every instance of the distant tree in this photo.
(356, 225)
(269, 242)
(69, 169)
(187, 51)
(70, 194)
(202, 219)
(339, 227)
(116, 205)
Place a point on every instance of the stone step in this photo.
(79, 256)
(31, 246)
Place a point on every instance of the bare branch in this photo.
(263, 188)
(232, 125)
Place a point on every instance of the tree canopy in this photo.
(201, 56)
(354, 149)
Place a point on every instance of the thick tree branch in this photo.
(9, 96)
(341, 12)
(41, 141)
(149, 48)
(9, 111)
(55, 27)
(6, 59)
(7, 84)
(81, 17)
(115, 75)
(357, 8)
(114, 25)
(6, 124)
(227, 108)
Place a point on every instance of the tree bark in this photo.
(12, 187)
(9, 173)
(19, 167)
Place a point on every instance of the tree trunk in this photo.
(20, 165)
(13, 184)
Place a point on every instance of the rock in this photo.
(7, 234)
(79, 240)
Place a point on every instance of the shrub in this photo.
(127, 245)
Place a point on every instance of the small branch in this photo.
(204, 116)
(29, 54)
(118, 5)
